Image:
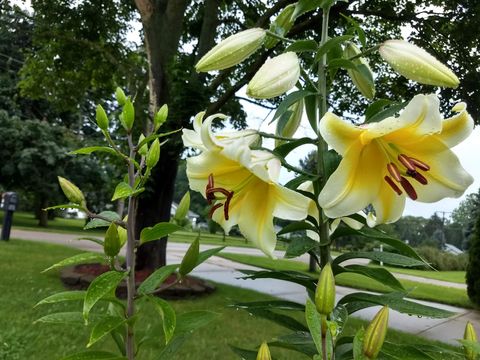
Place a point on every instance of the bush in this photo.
(442, 260)
(473, 269)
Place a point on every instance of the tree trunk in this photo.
(43, 215)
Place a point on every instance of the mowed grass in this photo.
(416, 290)
(450, 276)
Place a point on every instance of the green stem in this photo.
(322, 147)
(276, 36)
(366, 52)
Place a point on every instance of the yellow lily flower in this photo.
(397, 157)
(242, 181)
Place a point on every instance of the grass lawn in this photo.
(451, 276)
(22, 286)
(446, 295)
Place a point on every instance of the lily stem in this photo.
(322, 147)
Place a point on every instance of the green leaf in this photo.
(158, 231)
(111, 244)
(99, 287)
(376, 107)
(64, 206)
(90, 149)
(381, 275)
(291, 276)
(311, 110)
(304, 6)
(151, 283)
(92, 239)
(183, 206)
(168, 316)
(62, 318)
(302, 45)
(280, 319)
(155, 136)
(386, 257)
(300, 341)
(289, 100)
(471, 345)
(397, 351)
(244, 354)
(62, 296)
(96, 223)
(271, 304)
(357, 28)
(172, 348)
(284, 149)
(190, 259)
(204, 255)
(104, 327)
(300, 246)
(358, 345)
(122, 191)
(296, 226)
(342, 63)
(330, 44)
(314, 323)
(84, 258)
(357, 301)
(387, 112)
(190, 321)
(94, 355)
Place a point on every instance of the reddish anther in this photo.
(394, 172)
(210, 195)
(412, 194)
(226, 205)
(420, 178)
(393, 185)
(419, 164)
(212, 210)
(405, 160)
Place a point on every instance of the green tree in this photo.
(473, 269)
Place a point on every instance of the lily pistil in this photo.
(211, 190)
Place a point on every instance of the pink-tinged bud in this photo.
(375, 334)
(470, 335)
(71, 191)
(325, 293)
(362, 77)
(264, 352)
(275, 77)
(232, 51)
(416, 64)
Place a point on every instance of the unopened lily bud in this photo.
(111, 244)
(183, 206)
(416, 64)
(71, 191)
(120, 95)
(232, 51)
(470, 335)
(325, 293)
(128, 115)
(264, 352)
(160, 117)
(281, 25)
(289, 127)
(375, 334)
(153, 154)
(275, 77)
(362, 77)
(101, 118)
(144, 149)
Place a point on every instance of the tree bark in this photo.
(43, 215)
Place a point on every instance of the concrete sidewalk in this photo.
(224, 271)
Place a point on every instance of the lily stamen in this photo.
(405, 160)
(419, 164)
(212, 210)
(412, 194)
(210, 191)
(393, 185)
(419, 177)
(394, 172)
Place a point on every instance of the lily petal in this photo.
(388, 206)
(458, 127)
(338, 133)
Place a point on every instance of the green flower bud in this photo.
(281, 25)
(470, 335)
(101, 118)
(416, 64)
(122, 235)
(120, 95)
(183, 206)
(232, 51)
(325, 294)
(264, 352)
(160, 117)
(71, 191)
(128, 115)
(375, 334)
(111, 244)
(153, 154)
(144, 149)
(289, 127)
(362, 79)
(275, 77)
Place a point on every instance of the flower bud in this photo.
(375, 334)
(275, 77)
(128, 115)
(363, 81)
(144, 149)
(470, 335)
(183, 206)
(120, 95)
(153, 154)
(264, 352)
(325, 294)
(289, 127)
(101, 118)
(232, 51)
(416, 64)
(160, 117)
(111, 244)
(281, 25)
(71, 191)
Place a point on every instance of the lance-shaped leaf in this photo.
(84, 258)
(381, 275)
(190, 259)
(95, 223)
(104, 327)
(155, 279)
(158, 231)
(168, 316)
(94, 355)
(386, 257)
(63, 296)
(111, 244)
(91, 149)
(314, 323)
(122, 191)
